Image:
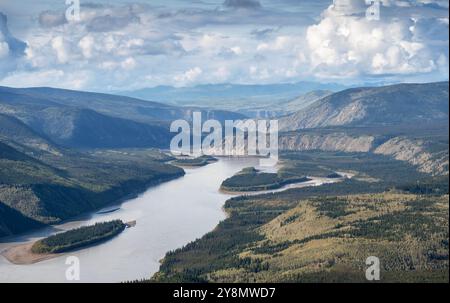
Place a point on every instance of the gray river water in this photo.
(168, 216)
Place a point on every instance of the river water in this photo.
(168, 216)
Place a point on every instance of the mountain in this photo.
(388, 105)
(86, 128)
(230, 91)
(231, 96)
(273, 107)
(304, 100)
(91, 120)
(13, 222)
(119, 106)
(22, 137)
(424, 146)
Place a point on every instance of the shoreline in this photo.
(22, 255)
(313, 181)
(116, 204)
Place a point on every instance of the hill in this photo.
(380, 106)
(92, 120)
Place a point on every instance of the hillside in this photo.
(91, 120)
(425, 146)
(111, 105)
(274, 107)
(389, 105)
(22, 137)
(325, 233)
(43, 188)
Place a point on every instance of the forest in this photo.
(78, 238)
(325, 233)
(250, 179)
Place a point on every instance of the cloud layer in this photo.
(117, 46)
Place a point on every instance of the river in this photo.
(168, 216)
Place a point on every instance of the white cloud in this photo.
(188, 76)
(60, 47)
(343, 45)
(128, 64)
(86, 45)
(58, 78)
(126, 47)
(4, 49)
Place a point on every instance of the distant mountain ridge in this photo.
(230, 91)
(93, 120)
(388, 105)
(255, 101)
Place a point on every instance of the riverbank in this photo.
(23, 254)
(121, 193)
(193, 162)
(312, 181)
(169, 216)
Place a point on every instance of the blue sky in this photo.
(127, 45)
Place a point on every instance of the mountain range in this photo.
(65, 152)
(92, 120)
(259, 101)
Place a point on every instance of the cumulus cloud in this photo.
(346, 44)
(131, 46)
(189, 76)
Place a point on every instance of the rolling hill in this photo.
(91, 120)
(377, 106)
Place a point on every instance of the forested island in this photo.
(194, 162)
(251, 179)
(78, 238)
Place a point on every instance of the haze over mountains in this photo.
(252, 100)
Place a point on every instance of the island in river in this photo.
(252, 180)
(55, 245)
(194, 162)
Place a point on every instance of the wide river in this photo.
(168, 216)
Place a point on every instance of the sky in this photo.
(123, 45)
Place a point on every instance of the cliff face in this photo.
(329, 142)
(415, 152)
(419, 153)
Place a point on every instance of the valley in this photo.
(313, 218)
(325, 233)
(225, 141)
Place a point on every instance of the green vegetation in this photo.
(194, 162)
(325, 233)
(250, 179)
(46, 188)
(278, 240)
(78, 238)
